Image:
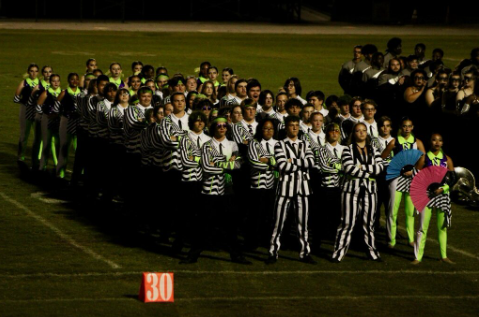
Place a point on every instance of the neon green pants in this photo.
(422, 232)
(409, 209)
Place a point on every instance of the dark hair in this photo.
(54, 75)
(92, 85)
(213, 126)
(71, 75)
(239, 81)
(353, 100)
(33, 65)
(259, 128)
(194, 117)
(117, 97)
(395, 59)
(135, 63)
(103, 78)
(437, 64)
(189, 96)
(88, 61)
(143, 90)
(229, 70)
(213, 67)
(474, 52)
(375, 57)
(248, 103)
(115, 64)
(282, 93)
(293, 102)
(213, 94)
(159, 69)
(98, 71)
(393, 43)
(262, 96)
(289, 119)
(178, 93)
(418, 45)
(252, 83)
(145, 69)
(173, 81)
(109, 87)
(419, 71)
(410, 58)
(296, 83)
(131, 77)
(382, 120)
(329, 101)
(438, 50)
(200, 103)
(316, 93)
(352, 138)
(43, 68)
(369, 49)
(203, 64)
(157, 108)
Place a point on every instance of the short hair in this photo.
(229, 70)
(331, 99)
(369, 102)
(438, 50)
(382, 120)
(102, 78)
(314, 114)
(344, 100)
(369, 49)
(259, 128)
(239, 81)
(202, 103)
(43, 68)
(248, 103)
(109, 87)
(213, 67)
(131, 77)
(177, 94)
(34, 65)
(420, 45)
(113, 64)
(281, 93)
(253, 83)
(317, 93)
(394, 43)
(144, 90)
(71, 75)
(147, 68)
(474, 52)
(214, 124)
(196, 116)
(410, 58)
(135, 63)
(297, 85)
(289, 119)
(419, 71)
(293, 102)
(353, 100)
(160, 68)
(174, 81)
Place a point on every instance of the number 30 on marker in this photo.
(157, 287)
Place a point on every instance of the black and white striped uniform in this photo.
(372, 129)
(190, 150)
(304, 127)
(134, 122)
(115, 125)
(234, 101)
(330, 164)
(358, 197)
(91, 109)
(239, 134)
(293, 188)
(262, 175)
(171, 156)
(102, 112)
(249, 127)
(214, 181)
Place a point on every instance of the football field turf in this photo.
(60, 256)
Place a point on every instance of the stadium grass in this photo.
(44, 275)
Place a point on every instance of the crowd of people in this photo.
(227, 158)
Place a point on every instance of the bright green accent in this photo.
(73, 93)
(435, 159)
(337, 166)
(402, 141)
(55, 92)
(276, 174)
(409, 209)
(143, 80)
(45, 84)
(162, 76)
(228, 179)
(117, 82)
(272, 161)
(132, 92)
(197, 159)
(223, 120)
(445, 188)
(71, 141)
(32, 82)
(202, 79)
(180, 82)
(441, 230)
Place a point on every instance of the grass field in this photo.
(60, 256)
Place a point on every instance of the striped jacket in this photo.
(190, 160)
(215, 166)
(134, 122)
(239, 133)
(360, 171)
(170, 156)
(102, 111)
(91, 108)
(262, 175)
(330, 166)
(115, 125)
(294, 176)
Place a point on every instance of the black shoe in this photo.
(334, 260)
(240, 259)
(308, 259)
(271, 260)
(189, 260)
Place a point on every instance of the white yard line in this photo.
(253, 298)
(62, 235)
(255, 273)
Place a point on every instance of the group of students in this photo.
(243, 157)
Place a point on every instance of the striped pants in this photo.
(282, 205)
(352, 205)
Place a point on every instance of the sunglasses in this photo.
(221, 125)
(206, 108)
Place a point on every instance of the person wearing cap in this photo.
(219, 156)
(294, 158)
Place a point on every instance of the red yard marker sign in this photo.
(157, 287)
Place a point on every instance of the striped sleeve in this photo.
(187, 151)
(207, 158)
(254, 154)
(378, 164)
(281, 159)
(326, 163)
(165, 135)
(349, 167)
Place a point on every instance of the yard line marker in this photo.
(59, 232)
(449, 247)
(245, 298)
(138, 273)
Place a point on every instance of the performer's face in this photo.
(292, 129)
